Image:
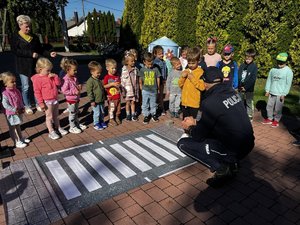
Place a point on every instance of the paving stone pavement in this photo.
(266, 191)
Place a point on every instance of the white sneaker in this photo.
(38, 108)
(20, 144)
(62, 131)
(53, 135)
(26, 140)
(28, 111)
(82, 126)
(75, 130)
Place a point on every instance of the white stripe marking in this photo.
(115, 162)
(101, 169)
(81, 172)
(63, 180)
(68, 149)
(157, 149)
(141, 165)
(166, 144)
(144, 153)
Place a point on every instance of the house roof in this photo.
(164, 41)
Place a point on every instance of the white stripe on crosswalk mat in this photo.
(63, 180)
(157, 149)
(115, 162)
(101, 169)
(81, 172)
(144, 153)
(166, 144)
(141, 165)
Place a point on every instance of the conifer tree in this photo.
(96, 25)
(90, 27)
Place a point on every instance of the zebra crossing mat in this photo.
(95, 172)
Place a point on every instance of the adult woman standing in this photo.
(27, 48)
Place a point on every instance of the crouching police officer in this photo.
(223, 135)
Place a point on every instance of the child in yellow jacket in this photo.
(191, 84)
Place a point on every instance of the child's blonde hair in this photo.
(134, 52)
(62, 62)
(193, 54)
(110, 62)
(67, 63)
(93, 66)
(43, 63)
(127, 55)
(6, 76)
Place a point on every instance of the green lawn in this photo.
(291, 104)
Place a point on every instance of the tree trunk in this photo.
(3, 20)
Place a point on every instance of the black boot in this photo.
(222, 176)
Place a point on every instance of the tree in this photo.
(186, 22)
(132, 20)
(97, 24)
(90, 27)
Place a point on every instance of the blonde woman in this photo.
(27, 49)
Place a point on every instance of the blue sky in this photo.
(114, 6)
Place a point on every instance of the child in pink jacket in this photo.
(71, 89)
(45, 91)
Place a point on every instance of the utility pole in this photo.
(83, 17)
(64, 28)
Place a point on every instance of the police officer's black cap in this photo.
(212, 75)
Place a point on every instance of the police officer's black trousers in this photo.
(210, 152)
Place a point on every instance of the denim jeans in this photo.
(27, 90)
(98, 113)
(149, 104)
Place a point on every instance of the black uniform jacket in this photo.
(225, 119)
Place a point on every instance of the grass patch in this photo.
(291, 103)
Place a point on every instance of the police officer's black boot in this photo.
(222, 176)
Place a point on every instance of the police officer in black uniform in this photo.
(223, 135)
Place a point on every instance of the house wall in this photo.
(77, 30)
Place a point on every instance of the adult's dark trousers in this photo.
(210, 152)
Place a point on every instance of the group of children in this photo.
(183, 87)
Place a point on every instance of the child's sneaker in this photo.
(275, 123)
(62, 131)
(38, 108)
(28, 111)
(66, 110)
(172, 114)
(118, 121)
(112, 123)
(20, 144)
(104, 125)
(128, 117)
(98, 126)
(146, 119)
(155, 119)
(82, 126)
(26, 140)
(267, 121)
(53, 135)
(134, 118)
(75, 130)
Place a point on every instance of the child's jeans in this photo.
(174, 102)
(98, 113)
(52, 115)
(247, 98)
(149, 104)
(274, 107)
(73, 114)
(114, 107)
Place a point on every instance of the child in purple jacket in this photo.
(71, 89)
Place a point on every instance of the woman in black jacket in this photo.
(27, 48)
